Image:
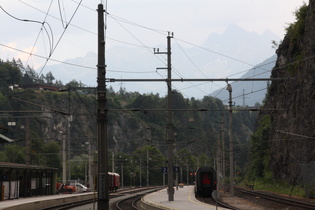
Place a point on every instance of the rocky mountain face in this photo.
(292, 133)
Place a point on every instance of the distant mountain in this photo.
(66, 73)
(241, 46)
(249, 92)
(222, 55)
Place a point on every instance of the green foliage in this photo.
(259, 151)
(52, 155)
(10, 74)
(280, 187)
(297, 29)
(79, 166)
(73, 83)
(12, 153)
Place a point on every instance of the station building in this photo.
(21, 180)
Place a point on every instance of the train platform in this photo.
(184, 199)
(43, 201)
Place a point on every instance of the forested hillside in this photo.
(70, 114)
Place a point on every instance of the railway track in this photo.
(289, 202)
(128, 203)
(215, 202)
(122, 199)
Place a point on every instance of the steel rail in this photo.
(279, 199)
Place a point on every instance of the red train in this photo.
(114, 181)
(206, 181)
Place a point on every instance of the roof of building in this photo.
(24, 166)
(5, 138)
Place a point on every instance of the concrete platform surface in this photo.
(184, 199)
(40, 202)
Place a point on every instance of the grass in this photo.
(279, 187)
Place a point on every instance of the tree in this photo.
(13, 153)
(52, 154)
(74, 83)
(30, 76)
(49, 78)
(10, 74)
(259, 155)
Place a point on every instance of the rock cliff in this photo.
(292, 134)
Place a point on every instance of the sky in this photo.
(70, 28)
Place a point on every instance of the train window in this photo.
(205, 178)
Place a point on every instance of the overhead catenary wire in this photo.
(138, 25)
(129, 22)
(54, 48)
(50, 41)
(193, 63)
(159, 31)
(76, 65)
(50, 36)
(60, 12)
(83, 29)
(145, 47)
(194, 86)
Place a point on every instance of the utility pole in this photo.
(103, 185)
(187, 178)
(219, 163)
(170, 129)
(91, 181)
(243, 97)
(223, 145)
(229, 88)
(27, 142)
(64, 160)
(140, 174)
(147, 167)
(122, 174)
(69, 119)
(113, 162)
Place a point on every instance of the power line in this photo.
(51, 42)
(294, 134)
(60, 14)
(60, 37)
(119, 19)
(162, 32)
(155, 30)
(145, 47)
(198, 80)
(195, 86)
(214, 52)
(76, 65)
(35, 21)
